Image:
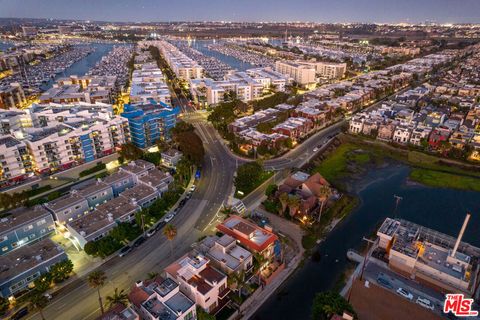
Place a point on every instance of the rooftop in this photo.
(26, 258)
(22, 216)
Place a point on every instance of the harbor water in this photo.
(439, 209)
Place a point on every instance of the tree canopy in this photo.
(326, 304)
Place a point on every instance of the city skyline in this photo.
(371, 11)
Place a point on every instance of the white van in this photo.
(424, 302)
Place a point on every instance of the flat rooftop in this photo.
(248, 233)
(65, 201)
(27, 257)
(155, 178)
(22, 216)
(104, 215)
(138, 192)
(179, 303)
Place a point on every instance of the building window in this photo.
(27, 228)
(43, 221)
(4, 249)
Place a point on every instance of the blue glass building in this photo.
(150, 122)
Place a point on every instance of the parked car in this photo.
(20, 314)
(139, 241)
(123, 252)
(424, 302)
(384, 282)
(404, 293)
(151, 232)
(315, 149)
(160, 225)
(169, 218)
(192, 188)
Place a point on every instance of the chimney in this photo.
(139, 283)
(460, 235)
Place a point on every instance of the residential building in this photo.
(402, 134)
(102, 220)
(22, 266)
(225, 254)
(386, 131)
(184, 67)
(15, 161)
(95, 193)
(161, 299)
(12, 96)
(158, 180)
(149, 83)
(138, 168)
(67, 208)
(420, 134)
(150, 123)
(119, 181)
(295, 128)
(438, 136)
(200, 282)
(170, 158)
(24, 226)
(251, 236)
(142, 194)
(330, 70)
(301, 73)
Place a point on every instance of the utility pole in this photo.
(366, 255)
(397, 202)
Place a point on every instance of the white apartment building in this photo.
(184, 67)
(402, 134)
(303, 74)
(149, 83)
(61, 136)
(247, 85)
(15, 162)
(330, 70)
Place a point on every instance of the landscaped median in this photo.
(249, 177)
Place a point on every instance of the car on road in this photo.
(315, 149)
(192, 188)
(20, 314)
(139, 241)
(169, 218)
(424, 302)
(404, 293)
(124, 251)
(151, 232)
(384, 282)
(160, 225)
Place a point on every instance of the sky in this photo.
(381, 11)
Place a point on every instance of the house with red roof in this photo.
(252, 237)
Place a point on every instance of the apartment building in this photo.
(184, 67)
(303, 74)
(253, 120)
(247, 85)
(330, 70)
(148, 82)
(294, 128)
(102, 220)
(199, 281)
(56, 137)
(15, 162)
(88, 89)
(24, 226)
(161, 299)
(150, 122)
(12, 96)
(67, 208)
(21, 267)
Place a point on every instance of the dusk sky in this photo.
(247, 10)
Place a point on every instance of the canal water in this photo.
(439, 209)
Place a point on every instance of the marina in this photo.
(242, 54)
(114, 64)
(214, 68)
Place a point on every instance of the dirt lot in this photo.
(376, 303)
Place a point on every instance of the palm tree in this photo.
(284, 201)
(97, 279)
(38, 302)
(325, 193)
(293, 205)
(118, 297)
(170, 232)
(152, 275)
